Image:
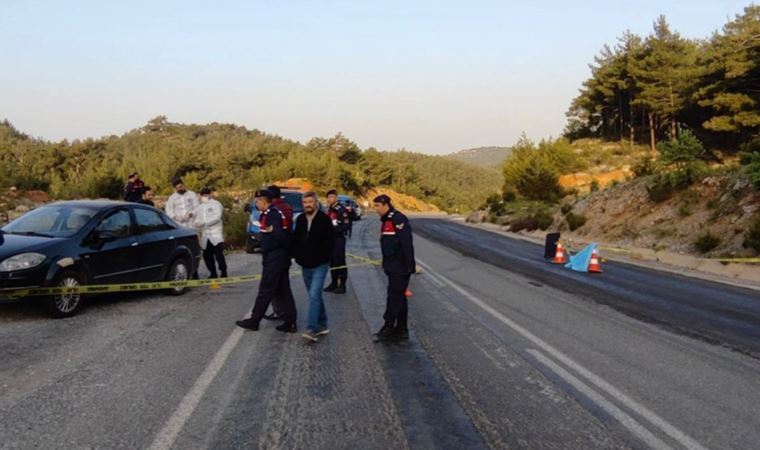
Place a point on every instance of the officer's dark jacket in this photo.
(396, 243)
(275, 239)
(340, 218)
(286, 211)
(312, 247)
(133, 191)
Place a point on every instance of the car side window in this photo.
(149, 221)
(117, 224)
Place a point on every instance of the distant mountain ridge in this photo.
(482, 156)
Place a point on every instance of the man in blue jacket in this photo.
(398, 264)
(275, 261)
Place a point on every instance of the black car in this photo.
(94, 242)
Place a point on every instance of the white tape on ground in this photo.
(600, 383)
(171, 429)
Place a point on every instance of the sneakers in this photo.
(287, 327)
(310, 336)
(323, 332)
(248, 324)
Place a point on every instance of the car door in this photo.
(156, 243)
(114, 257)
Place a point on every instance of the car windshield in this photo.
(51, 221)
(294, 199)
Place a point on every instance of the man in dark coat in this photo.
(313, 241)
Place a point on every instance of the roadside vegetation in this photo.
(662, 148)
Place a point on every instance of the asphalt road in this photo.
(505, 352)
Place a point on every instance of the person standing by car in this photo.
(313, 240)
(275, 261)
(208, 220)
(398, 264)
(182, 204)
(133, 191)
(340, 220)
(147, 197)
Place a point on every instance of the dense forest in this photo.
(230, 157)
(646, 89)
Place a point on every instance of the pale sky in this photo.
(430, 76)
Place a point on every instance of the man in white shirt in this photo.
(182, 204)
(208, 221)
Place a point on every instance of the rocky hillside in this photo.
(711, 218)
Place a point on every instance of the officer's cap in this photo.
(384, 199)
(275, 190)
(264, 193)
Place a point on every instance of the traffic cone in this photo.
(559, 255)
(594, 266)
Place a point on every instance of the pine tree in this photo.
(731, 82)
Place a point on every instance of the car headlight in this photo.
(21, 262)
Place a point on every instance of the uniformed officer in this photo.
(340, 221)
(275, 261)
(398, 264)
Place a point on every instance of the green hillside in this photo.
(231, 157)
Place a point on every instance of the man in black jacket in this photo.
(275, 261)
(398, 264)
(313, 239)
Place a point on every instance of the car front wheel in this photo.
(66, 305)
(178, 271)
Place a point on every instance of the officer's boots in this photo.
(331, 287)
(385, 333)
(400, 333)
(341, 286)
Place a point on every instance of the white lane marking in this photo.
(171, 429)
(640, 409)
(627, 421)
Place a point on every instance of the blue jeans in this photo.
(314, 279)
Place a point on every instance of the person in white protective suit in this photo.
(182, 204)
(208, 221)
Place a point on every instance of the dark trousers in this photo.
(275, 283)
(396, 306)
(338, 259)
(215, 252)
